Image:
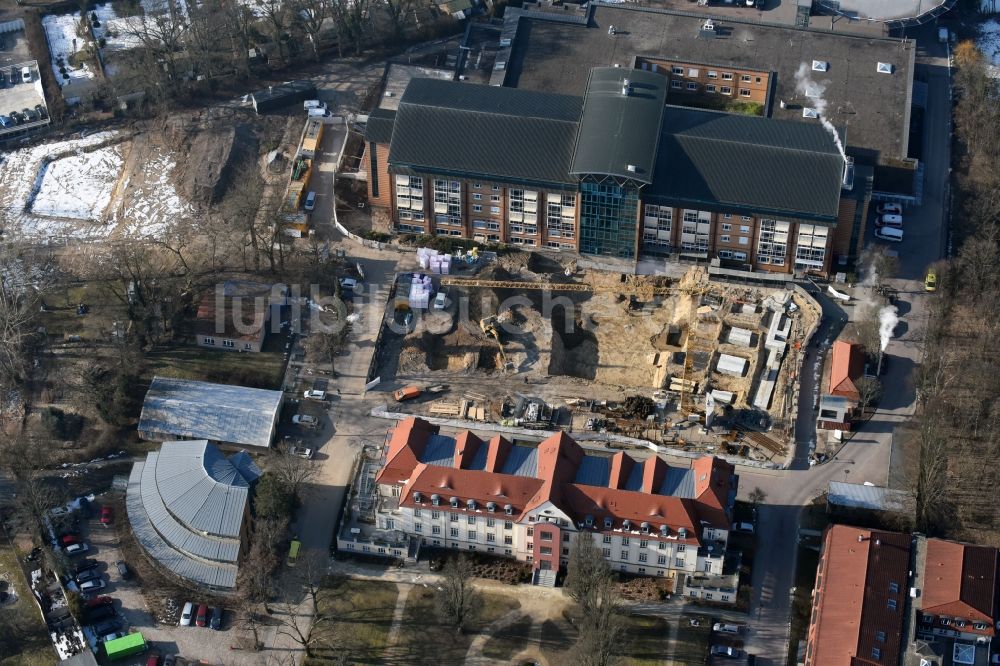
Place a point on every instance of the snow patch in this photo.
(989, 41)
(79, 186)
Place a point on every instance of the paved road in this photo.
(867, 456)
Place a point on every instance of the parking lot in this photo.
(15, 94)
(130, 603)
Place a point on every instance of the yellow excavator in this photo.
(489, 327)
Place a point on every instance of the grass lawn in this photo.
(60, 318)
(693, 642)
(34, 649)
(646, 641)
(261, 370)
(509, 641)
(424, 639)
(363, 612)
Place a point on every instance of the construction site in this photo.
(530, 342)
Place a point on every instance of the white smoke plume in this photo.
(805, 86)
(888, 317)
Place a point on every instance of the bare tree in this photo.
(757, 496)
(276, 15)
(312, 15)
(587, 573)
(600, 629)
(869, 392)
(324, 347)
(293, 472)
(397, 10)
(457, 600)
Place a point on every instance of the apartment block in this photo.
(616, 173)
(532, 502)
(890, 598)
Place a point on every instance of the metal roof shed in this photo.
(181, 408)
(731, 365)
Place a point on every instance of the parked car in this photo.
(408, 393)
(889, 221)
(727, 628)
(301, 452)
(310, 202)
(97, 602)
(107, 627)
(314, 394)
(91, 585)
(891, 234)
(889, 209)
(727, 651)
(201, 618)
(93, 615)
(69, 539)
(170, 660)
(85, 507)
(123, 569)
(114, 635)
(216, 618)
(89, 574)
(440, 300)
(83, 565)
(16, 117)
(186, 614)
(29, 115)
(41, 111)
(348, 284)
(305, 420)
(930, 280)
(153, 660)
(107, 515)
(743, 527)
(26, 74)
(77, 548)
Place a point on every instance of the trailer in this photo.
(126, 646)
(283, 94)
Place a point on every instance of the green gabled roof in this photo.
(618, 131)
(746, 163)
(483, 131)
(378, 129)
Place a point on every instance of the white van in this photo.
(889, 221)
(310, 202)
(313, 104)
(320, 112)
(891, 234)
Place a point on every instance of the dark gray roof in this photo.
(555, 56)
(618, 131)
(746, 163)
(201, 410)
(475, 130)
(378, 129)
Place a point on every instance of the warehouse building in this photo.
(224, 414)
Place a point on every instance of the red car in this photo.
(154, 660)
(70, 539)
(201, 619)
(96, 602)
(107, 515)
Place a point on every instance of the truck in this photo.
(408, 393)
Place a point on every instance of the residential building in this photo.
(236, 315)
(961, 592)
(859, 602)
(532, 501)
(224, 414)
(847, 366)
(187, 505)
(550, 174)
(892, 598)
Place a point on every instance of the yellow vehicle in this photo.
(930, 282)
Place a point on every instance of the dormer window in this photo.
(645, 528)
(417, 497)
(471, 504)
(491, 506)
(608, 523)
(436, 500)
(588, 521)
(508, 509)
(454, 502)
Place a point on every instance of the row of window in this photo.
(226, 343)
(691, 86)
(643, 558)
(455, 517)
(692, 72)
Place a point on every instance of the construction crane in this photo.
(622, 288)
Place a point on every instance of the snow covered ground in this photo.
(989, 41)
(76, 188)
(60, 31)
(79, 186)
(989, 6)
(118, 32)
